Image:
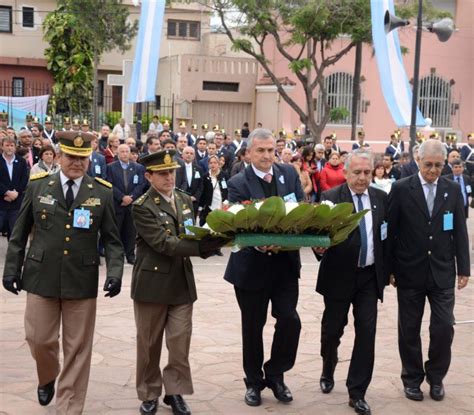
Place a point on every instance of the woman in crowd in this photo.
(297, 161)
(215, 189)
(308, 164)
(380, 179)
(47, 162)
(332, 174)
(38, 143)
(111, 151)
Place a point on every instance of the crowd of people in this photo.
(76, 195)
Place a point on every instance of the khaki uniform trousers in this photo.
(152, 320)
(43, 317)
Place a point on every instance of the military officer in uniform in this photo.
(62, 215)
(163, 287)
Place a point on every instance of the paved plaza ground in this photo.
(216, 355)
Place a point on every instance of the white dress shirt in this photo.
(216, 194)
(261, 174)
(9, 165)
(64, 185)
(366, 203)
(189, 172)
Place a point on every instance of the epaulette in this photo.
(104, 182)
(182, 191)
(39, 175)
(140, 200)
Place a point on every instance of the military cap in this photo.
(167, 123)
(66, 120)
(85, 122)
(216, 128)
(76, 121)
(48, 120)
(419, 134)
(434, 135)
(3, 116)
(204, 126)
(333, 136)
(470, 135)
(194, 126)
(296, 131)
(36, 120)
(29, 117)
(237, 131)
(182, 124)
(75, 143)
(282, 131)
(360, 133)
(161, 160)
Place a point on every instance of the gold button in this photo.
(91, 221)
(68, 226)
(429, 252)
(168, 231)
(67, 239)
(66, 252)
(431, 237)
(44, 211)
(167, 223)
(156, 268)
(269, 254)
(43, 216)
(69, 214)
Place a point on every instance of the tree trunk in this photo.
(356, 89)
(94, 89)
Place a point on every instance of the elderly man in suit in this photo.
(352, 273)
(190, 177)
(128, 180)
(261, 275)
(13, 181)
(464, 181)
(428, 245)
(163, 287)
(412, 167)
(97, 164)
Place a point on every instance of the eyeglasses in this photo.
(430, 165)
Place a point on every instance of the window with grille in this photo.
(220, 86)
(5, 19)
(28, 17)
(435, 100)
(18, 87)
(339, 95)
(183, 29)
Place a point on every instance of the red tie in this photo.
(268, 177)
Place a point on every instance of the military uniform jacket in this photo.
(163, 272)
(62, 261)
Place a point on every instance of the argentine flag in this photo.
(147, 54)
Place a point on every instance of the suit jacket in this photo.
(248, 268)
(97, 166)
(418, 245)
(163, 272)
(336, 278)
(409, 169)
(18, 182)
(62, 260)
(237, 167)
(467, 189)
(206, 199)
(197, 182)
(135, 185)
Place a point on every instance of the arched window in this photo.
(339, 95)
(435, 100)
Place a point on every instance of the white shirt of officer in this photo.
(65, 186)
(370, 260)
(189, 172)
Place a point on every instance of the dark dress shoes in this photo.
(149, 407)
(280, 390)
(46, 393)
(326, 384)
(253, 396)
(178, 404)
(415, 394)
(360, 406)
(437, 392)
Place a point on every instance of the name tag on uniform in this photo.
(383, 231)
(92, 201)
(448, 222)
(82, 219)
(290, 197)
(197, 175)
(97, 169)
(224, 184)
(47, 200)
(468, 189)
(188, 222)
(186, 211)
(135, 179)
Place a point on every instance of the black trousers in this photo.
(411, 304)
(254, 306)
(127, 230)
(364, 308)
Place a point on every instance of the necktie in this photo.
(69, 194)
(458, 179)
(268, 177)
(430, 198)
(363, 234)
(125, 179)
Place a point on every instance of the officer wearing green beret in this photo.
(163, 287)
(63, 214)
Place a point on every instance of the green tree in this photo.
(69, 58)
(108, 26)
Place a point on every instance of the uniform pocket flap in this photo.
(90, 259)
(36, 254)
(157, 265)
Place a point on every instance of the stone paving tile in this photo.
(216, 359)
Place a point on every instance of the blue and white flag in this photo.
(147, 54)
(393, 78)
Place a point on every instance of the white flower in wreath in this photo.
(235, 208)
(289, 206)
(328, 202)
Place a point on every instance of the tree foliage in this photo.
(69, 57)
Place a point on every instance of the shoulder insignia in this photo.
(104, 182)
(140, 200)
(39, 175)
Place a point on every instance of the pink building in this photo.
(446, 84)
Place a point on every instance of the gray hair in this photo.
(416, 148)
(361, 153)
(210, 135)
(319, 147)
(432, 148)
(259, 134)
